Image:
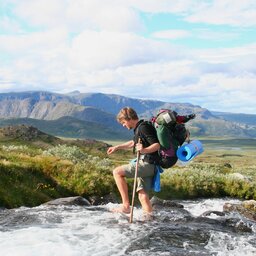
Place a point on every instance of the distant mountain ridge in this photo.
(97, 111)
(50, 106)
(247, 119)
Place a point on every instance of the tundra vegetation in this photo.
(34, 171)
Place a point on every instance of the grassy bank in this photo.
(31, 174)
(226, 168)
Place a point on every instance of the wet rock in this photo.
(246, 208)
(155, 201)
(170, 239)
(225, 224)
(24, 217)
(208, 213)
(243, 227)
(238, 225)
(250, 205)
(207, 222)
(76, 200)
(173, 212)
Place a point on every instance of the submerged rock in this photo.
(101, 200)
(208, 213)
(173, 211)
(155, 201)
(243, 227)
(76, 200)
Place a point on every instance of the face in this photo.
(127, 123)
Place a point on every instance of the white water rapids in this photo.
(79, 231)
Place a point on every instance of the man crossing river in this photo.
(148, 148)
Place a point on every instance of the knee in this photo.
(118, 171)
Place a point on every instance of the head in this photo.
(127, 117)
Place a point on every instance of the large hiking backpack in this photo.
(171, 136)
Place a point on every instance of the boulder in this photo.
(250, 205)
(246, 208)
(76, 200)
(238, 176)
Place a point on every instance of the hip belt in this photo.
(148, 159)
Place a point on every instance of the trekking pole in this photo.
(135, 181)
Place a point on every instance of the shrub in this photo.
(205, 180)
(72, 153)
(88, 175)
(10, 148)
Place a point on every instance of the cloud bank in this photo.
(108, 46)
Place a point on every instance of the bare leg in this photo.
(119, 177)
(145, 202)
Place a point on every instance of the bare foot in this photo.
(148, 216)
(122, 209)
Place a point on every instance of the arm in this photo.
(150, 149)
(127, 145)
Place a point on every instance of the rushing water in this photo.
(94, 230)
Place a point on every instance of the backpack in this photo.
(171, 136)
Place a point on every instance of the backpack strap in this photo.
(138, 135)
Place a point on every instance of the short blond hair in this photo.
(127, 114)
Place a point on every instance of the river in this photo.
(94, 230)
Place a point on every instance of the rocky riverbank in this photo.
(246, 208)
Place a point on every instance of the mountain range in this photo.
(93, 115)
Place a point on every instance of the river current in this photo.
(94, 230)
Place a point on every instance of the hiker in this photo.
(148, 148)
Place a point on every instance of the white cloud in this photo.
(79, 15)
(93, 45)
(122, 15)
(229, 12)
(171, 34)
(34, 59)
(8, 26)
(163, 6)
(40, 12)
(217, 36)
(103, 50)
(217, 12)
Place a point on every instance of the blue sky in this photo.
(201, 52)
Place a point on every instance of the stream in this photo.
(200, 228)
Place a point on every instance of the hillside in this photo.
(26, 133)
(70, 127)
(92, 115)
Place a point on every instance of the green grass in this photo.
(226, 168)
(31, 174)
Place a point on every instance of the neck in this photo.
(134, 123)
